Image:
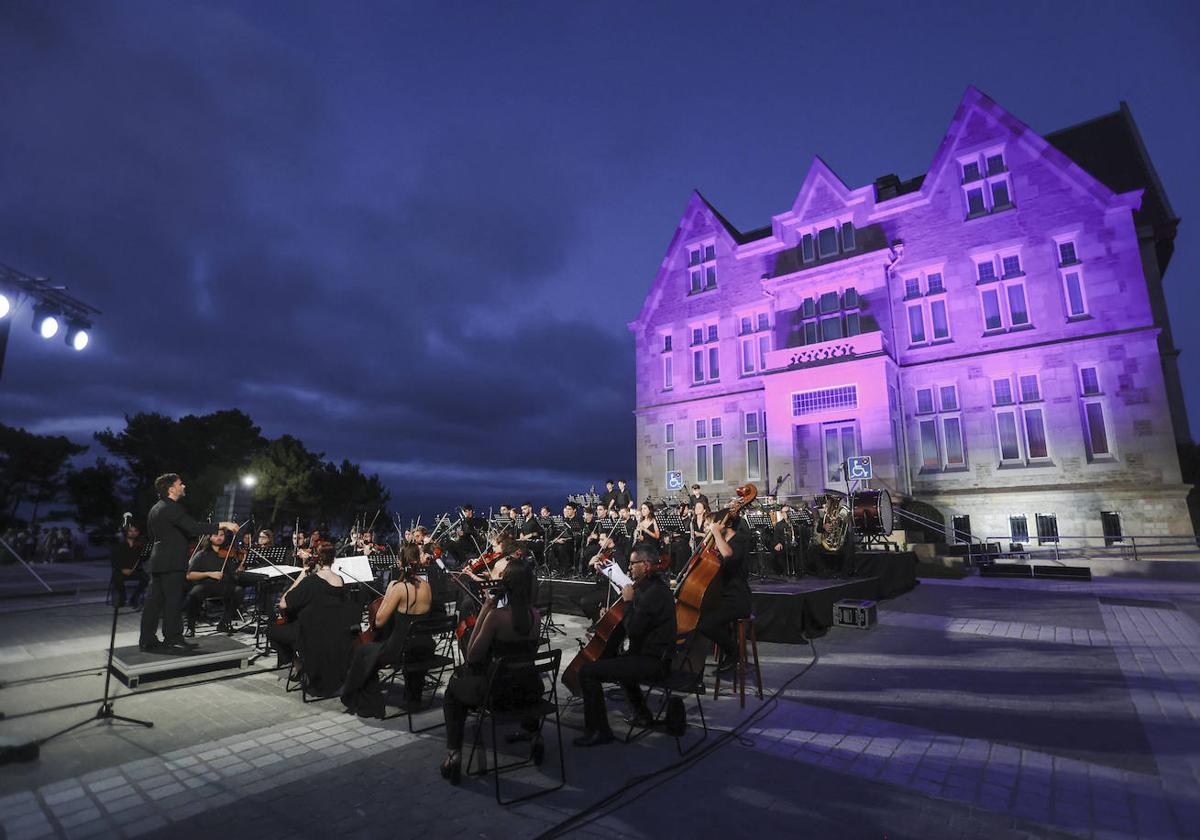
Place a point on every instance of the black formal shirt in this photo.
(530, 528)
(207, 560)
(607, 498)
(622, 498)
(170, 528)
(649, 619)
(735, 573)
(125, 556)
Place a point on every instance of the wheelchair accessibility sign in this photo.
(858, 468)
(675, 480)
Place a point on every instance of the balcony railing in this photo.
(826, 352)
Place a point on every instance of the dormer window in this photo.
(702, 267)
(827, 240)
(985, 193)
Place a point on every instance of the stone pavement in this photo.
(975, 708)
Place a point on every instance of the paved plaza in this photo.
(974, 708)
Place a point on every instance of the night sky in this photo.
(412, 234)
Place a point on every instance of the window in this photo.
(941, 436)
(840, 442)
(986, 183)
(1110, 526)
(1070, 274)
(751, 422)
(669, 433)
(1097, 432)
(1020, 428)
(706, 355)
(702, 267)
(667, 343)
(1091, 405)
(754, 343)
(934, 282)
(927, 320)
(670, 460)
(827, 241)
(938, 320)
(1002, 296)
(753, 464)
(1066, 252)
(916, 324)
(1089, 381)
(912, 287)
(1018, 528)
(668, 373)
(710, 462)
(826, 318)
(701, 429)
(714, 427)
(824, 399)
(718, 465)
(1047, 528)
(701, 463)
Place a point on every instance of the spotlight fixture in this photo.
(45, 321)
(249, 480)
(77, 336)
(5, 305)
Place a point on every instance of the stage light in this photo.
(5, 306)
(249, 480)
(77, 336)
(45, 322)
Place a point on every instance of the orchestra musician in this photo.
(212, 572)
(612, 545)
(788, 541)
(299, 542)
(316, 586)
(831, 538)
(405, 600)
(587, 540)
(125, 566)
(562, 549)
(529, 529)
(622, 498)
(647, 530)
(508, 625)
(169, 527)
(649, 624)
(694, 496)
(733, 544)
(472, 537)
(609, 497)
(698, 523)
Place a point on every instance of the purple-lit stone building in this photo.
(993, 333)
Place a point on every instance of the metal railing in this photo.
(1126, 546)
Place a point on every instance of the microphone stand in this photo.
(106, 711)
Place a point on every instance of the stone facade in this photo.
(991, 333)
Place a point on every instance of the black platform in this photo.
(131, 664)
(788, 610)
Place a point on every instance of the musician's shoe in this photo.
(452, 770)
(179, 646)
(146, 647)
(595, 739)
(190, 632)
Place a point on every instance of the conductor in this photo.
(169, 527)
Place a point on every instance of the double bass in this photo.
(695, 583)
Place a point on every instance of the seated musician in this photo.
(472, 539)
(508, 626)
(587, 540)
(405, 600)
(649, 624)
(316, 585)
(213, 574)
(733, 544)
(831, 540)
(266, 539)
(299, 542)
(611, 546)
(126, 568)
(562, 548)
(529, 530)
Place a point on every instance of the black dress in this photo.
(313, 591)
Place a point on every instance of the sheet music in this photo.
(616, 575)
(274, 571)
(354, 569)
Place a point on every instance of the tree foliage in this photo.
(33, 469)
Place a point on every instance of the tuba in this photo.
(832, 534)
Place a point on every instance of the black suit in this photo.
(169, 528)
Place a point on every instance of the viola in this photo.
(367, 636)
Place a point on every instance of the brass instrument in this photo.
(831, 534)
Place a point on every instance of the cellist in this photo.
(732, 543)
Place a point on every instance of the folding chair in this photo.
(439, 628)
(685, 676)
(326, 638)
(545, 665)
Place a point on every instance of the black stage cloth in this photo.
(787, 610)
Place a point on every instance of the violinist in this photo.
(318, 585)
(213, 574)
(299, 542)
(732, 543)
(649, 624)
(613, 546)
(405, 600)
(126, 566)
(472, 537)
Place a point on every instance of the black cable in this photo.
(597, 810)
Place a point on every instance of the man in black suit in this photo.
(170, 527)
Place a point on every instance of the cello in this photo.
(695, 583)
(606, 627)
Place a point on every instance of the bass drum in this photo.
(873, 513)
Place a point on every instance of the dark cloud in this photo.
(411, 234)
